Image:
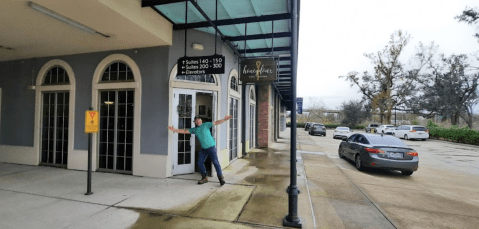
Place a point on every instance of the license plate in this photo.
(395, 155)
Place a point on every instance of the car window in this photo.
(386, 141)
(342, 128)
(361, 139)
(390, 126)
(419, 128)
(353, 138)
(374, 125)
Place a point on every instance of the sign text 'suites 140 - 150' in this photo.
(199, 65)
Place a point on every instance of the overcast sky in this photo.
(334, 35)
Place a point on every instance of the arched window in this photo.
(197, 78)
(56, 76)
(234, 84)
(117, 72)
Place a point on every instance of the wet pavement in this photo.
(333, 194)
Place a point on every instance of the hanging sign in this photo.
(258, 70)
(91, 122)
(199, 65)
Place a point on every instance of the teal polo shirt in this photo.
(204, 135)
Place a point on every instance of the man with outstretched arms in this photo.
(208, 146)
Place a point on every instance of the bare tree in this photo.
(390, 83)
(469, 16)
(450, 90)
(353, 113)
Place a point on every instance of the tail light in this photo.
(412, 131)
(372, 150)
(427, 131)
(414, 154)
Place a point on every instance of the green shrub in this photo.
(454, 133)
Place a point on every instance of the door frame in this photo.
(95, 101)
(198, 86)
(182, 169)
(71, 88)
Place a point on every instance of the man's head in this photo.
(198, 121)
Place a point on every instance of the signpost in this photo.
(200, 65)
(258, 70)
(299, 104)
(91, 126)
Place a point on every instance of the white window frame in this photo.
(237, 95)
(71, 88)
(252, 102)
(97, 86)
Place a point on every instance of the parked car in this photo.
(411, 132)
(306, 125)
(341, 132)
(379, 151)
(386, 129)
(371, 128)
(309, 124)
(317, 128)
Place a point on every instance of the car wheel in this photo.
(359, 163)
(423, 139)
(407, 173)
(394, 135)
(406, 137)
(340, 153)
(383, 132)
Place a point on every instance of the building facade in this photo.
(138, 92)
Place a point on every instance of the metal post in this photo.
(292, 219)
(88, 189)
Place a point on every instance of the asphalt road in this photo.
(443, 193)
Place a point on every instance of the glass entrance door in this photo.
(55, 128)
(116, 131)
(184, 104)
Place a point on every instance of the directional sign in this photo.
(200, 65)
(91, 122)
(299, 103)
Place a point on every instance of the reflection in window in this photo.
(234, 84)
(56, 76)
(117, 72)
(197, 78)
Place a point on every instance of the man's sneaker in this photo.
(203, 180)
(222, 180)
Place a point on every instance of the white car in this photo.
(411, 132)
(342, 132)
(386, 129)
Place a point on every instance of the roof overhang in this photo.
(251, 28)
(28, 33)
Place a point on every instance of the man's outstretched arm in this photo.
(222, 120)
(181, 131)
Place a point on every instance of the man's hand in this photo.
(171, 128)
(228, 117)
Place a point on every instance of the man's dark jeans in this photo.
(210, 152)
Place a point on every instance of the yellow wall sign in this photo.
(91, 122)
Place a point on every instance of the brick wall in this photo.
(264, 115)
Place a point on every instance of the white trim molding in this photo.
(199, 86)
(97, 86)
(71, 88)
(237, 95)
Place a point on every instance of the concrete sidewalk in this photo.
(253, 197)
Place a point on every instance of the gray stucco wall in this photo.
(155, 64)
(18, 103)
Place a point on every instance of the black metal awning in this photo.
(251, 28)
